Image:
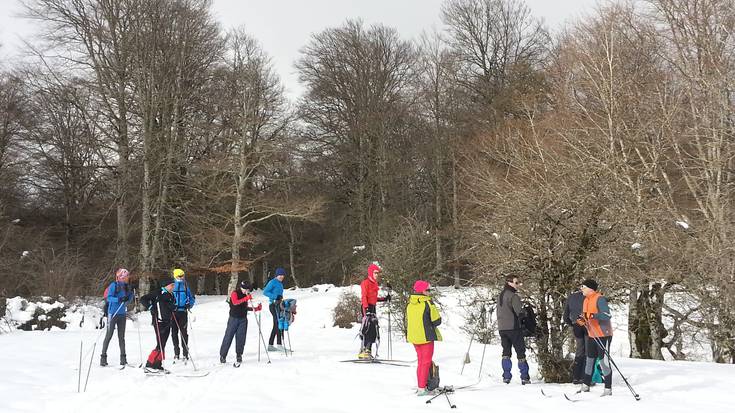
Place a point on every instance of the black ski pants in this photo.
(580, 352)
(276, 333)
(179, 325)
(237, 328)
(119, 322)
(595, 351)
(513, 339)
(162, 330)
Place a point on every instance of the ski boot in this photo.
(222, 359)
(103, 360)
(606, 392)
(123, 360)
(583, 388)
(525, 381)
(424, 392)
(271, 347)
(365, 354)
(239, 358)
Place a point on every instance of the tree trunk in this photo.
(121, 245)
(633, 323)
(292, 263)
(455, 224)
(201, 284)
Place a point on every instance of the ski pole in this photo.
(81, 345)
(90, 367)
(482, 361)
(467, 353)
(607, 353)
(137, 323)
(184, 342)
(94, 347)
(260, 332)
(257, 320)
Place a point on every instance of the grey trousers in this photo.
(119, 322)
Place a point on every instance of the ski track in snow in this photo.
(38, 372)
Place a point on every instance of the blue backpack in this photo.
(287, 314)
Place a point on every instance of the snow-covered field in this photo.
(38, 372)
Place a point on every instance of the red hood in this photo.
(372, 269)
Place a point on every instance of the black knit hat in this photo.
(590, 283)
(245, 285)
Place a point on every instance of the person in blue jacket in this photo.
(274, 291)
(184, 299)
(117, 295)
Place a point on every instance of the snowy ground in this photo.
(38, 373)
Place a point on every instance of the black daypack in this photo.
(528, 321)
(433, 381)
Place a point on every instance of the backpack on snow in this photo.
(155, 359)
(433, 381)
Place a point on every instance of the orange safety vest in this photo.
(595, 328)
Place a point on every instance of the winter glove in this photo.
(102, 322)
(581, 321)
(124, 299)
(279, 298)
(387, 297)
(258, 308)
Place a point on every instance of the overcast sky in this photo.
(284, 26)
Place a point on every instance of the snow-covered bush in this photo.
(40, 314)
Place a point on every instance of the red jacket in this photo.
(369, 289)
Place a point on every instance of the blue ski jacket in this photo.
(116, 292)
(273, 289)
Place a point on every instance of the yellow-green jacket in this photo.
(422, 319)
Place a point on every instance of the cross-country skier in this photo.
(572, 311)
(369, 289)
(237, 323)
(117, 295)
(596, 318)
(184, 301)
(274, 291)
(509, 313)
(162, 305)
(422, 321)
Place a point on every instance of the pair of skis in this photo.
(399, 363)
(164, 372)
(574, 397)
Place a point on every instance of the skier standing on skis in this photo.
(184, 301)
(572, 311)
(274, 291)
(369, 289)
(422, 320)
(162, 306)
(509, 313)
(117, 295)
(597, 320)
(237, 324)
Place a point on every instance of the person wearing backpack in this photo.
(596, 318)
(184, 301)
(509, 313)
(572, 311)
(369, 296)
(237, 323)
(422, 321)
(117, 295)
(274, 291)
(162, 305)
